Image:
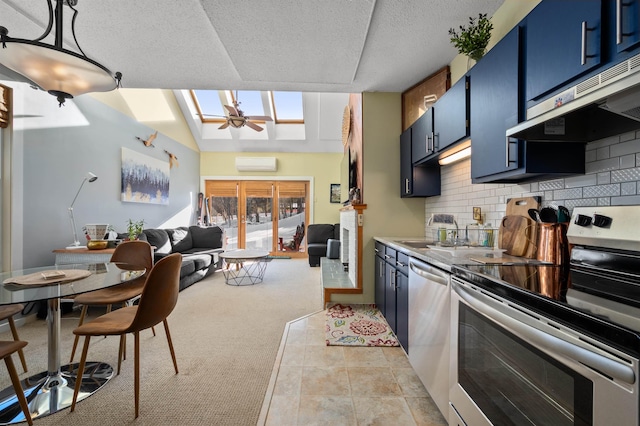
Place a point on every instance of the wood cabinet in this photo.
(416, 180)
(563, 40)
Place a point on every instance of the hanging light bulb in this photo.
(61, 72)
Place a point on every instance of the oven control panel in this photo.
(607, 226)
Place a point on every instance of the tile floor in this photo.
(318, 384)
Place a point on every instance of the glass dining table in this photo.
(52, 390)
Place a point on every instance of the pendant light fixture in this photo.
(62, 73)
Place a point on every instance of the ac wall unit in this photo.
(256, 164)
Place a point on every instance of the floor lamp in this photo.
(91, 178)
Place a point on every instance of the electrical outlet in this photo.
(477, 214)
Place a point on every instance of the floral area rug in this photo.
(358, 325)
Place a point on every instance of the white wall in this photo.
(612, 178)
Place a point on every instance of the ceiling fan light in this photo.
(61, 72)
(236, 122)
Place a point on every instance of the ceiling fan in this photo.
(237, 119)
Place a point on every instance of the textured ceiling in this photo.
(345, 46)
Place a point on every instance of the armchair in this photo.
(317, 237)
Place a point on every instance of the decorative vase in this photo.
(474, 56)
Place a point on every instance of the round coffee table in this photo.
(244, 266)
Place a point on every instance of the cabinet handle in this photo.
(618, 21)
(427, 139)
(406, 186)
(506, 149)
(401, 264)
(583, 53)
(436, 136)
(386, 256)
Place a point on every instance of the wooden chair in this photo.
(137, 253)
(6, 349)
(6, 313)
(157, 301)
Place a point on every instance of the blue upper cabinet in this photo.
(422, 144)
(563, 40)
(495, 102)
(451, 116)
(627, 24)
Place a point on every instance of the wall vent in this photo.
(256, 164)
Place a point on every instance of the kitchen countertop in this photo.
(442, 259)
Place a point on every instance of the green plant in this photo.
(134, 228)
(472, 40)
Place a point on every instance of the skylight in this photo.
(208, 105)
(287, 107)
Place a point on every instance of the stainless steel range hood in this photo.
(604, 105)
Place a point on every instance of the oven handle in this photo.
(549, 342)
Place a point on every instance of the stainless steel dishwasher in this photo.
(429, 308)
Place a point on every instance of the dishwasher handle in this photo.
(428, 272)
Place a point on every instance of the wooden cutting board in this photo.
(515, 234)
(520, 206)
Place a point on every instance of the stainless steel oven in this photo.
(551, 345)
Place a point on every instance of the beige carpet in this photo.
(226, 340)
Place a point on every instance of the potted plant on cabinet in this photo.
(472, 41)
(134, 229)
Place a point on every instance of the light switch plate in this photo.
(477, 214)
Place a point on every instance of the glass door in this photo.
(257, 201)
(222, 197)
(246, 211)
(292, 212)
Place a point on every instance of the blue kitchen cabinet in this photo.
(442, 125)
(416, 180)
(451, 116)
(380, 278)
(422, 137)
(495, 106)
(563, 41)
(402, 300)
(627, 24)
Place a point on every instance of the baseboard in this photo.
(20, 321)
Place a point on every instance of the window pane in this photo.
(250, 102)
(288, 106)
(209, 103)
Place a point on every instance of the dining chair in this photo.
(6, 313)
(138, 253)
(7, 348)
(157, 301)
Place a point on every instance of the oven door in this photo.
(510, 366)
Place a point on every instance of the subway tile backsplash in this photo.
(612, 178)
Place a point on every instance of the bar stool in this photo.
(6, 349)
(6, 313)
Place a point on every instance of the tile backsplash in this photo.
(612, 178)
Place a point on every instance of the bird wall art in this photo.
(172, 159)
(149, 141)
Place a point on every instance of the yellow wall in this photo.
(323, 167)
(387, 215)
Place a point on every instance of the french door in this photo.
(262, 215)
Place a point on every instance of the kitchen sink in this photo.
(421, 244)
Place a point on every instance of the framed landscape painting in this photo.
(144, 179)
(335, 193)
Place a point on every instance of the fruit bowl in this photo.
(97, 244)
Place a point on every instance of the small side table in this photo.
(244, 266)
(82, 255)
